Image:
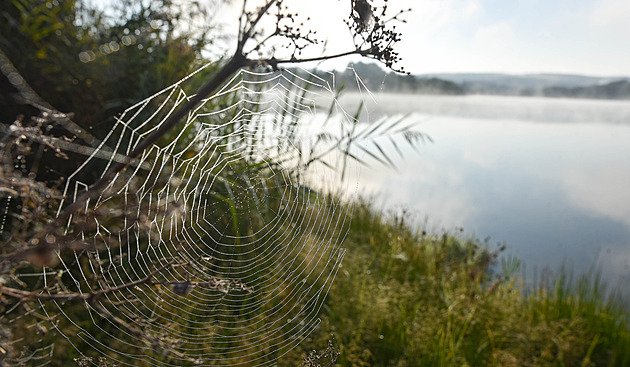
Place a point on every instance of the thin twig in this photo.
(30, 296)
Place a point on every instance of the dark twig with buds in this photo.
(376, 42)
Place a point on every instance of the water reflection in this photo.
(548, 177)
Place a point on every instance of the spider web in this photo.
(217, 246)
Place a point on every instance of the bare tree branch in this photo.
(88, 296)
(379, 40)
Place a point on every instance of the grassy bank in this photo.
(407, 299)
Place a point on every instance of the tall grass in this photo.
(416, 299)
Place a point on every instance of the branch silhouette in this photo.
(376, 41)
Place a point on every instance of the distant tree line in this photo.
(376, 79)
(614, 90)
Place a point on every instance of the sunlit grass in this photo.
(415, 299)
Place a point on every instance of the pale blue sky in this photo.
(518, 36)
(514, 36)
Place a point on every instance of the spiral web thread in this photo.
(231, 248)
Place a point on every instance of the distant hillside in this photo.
(376, 79)
(546, 85)
(525, 80)
(614, 90)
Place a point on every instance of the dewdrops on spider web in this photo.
(206, 244)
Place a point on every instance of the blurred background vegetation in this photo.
(95, 63)
(402, 298)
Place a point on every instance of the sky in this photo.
(590, 37)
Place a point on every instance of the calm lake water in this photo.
(549, 177)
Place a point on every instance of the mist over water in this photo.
(549, 177)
